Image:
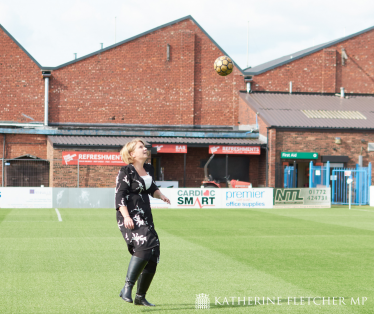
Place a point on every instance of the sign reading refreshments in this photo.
(171, 148)
(92, 158)
(299, 155)
(237, 150)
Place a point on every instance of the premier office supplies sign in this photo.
(302, 198)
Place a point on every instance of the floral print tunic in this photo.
(131, 192)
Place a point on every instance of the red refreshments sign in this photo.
(237, 150)
(92, 158)
(170, 148)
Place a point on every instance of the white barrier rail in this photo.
(183, 198)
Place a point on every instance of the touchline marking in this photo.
(58, 215)
(363, 210)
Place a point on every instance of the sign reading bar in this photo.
(237, 150)
(92, 158)
(170, 148)
(299, 155)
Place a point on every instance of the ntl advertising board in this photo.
(302, 198)
(216, 198)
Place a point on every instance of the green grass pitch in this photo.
(79, 265)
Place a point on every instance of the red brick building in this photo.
(160, 85)
(336, 80)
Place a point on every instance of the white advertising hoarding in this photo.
(216, 198)
(302, 198)
(25, 197)
(188, 198)
(247, 198)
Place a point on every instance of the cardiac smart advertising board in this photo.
(188, 198)
(216, 198)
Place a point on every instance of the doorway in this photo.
(156, 163)
(302, 174)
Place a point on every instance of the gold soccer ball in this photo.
(223, 65)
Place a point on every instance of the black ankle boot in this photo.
(144, 282)
(136, 266)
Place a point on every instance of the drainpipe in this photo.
(3, 162)
(206, 168)
(46, 75)
(290, 87)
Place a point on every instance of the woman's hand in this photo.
(161, 196)
(129, 224)
(127, 220)
(165, 199)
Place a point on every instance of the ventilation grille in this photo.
(370, 147)
(333, 114)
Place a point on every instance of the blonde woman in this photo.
(134, 217)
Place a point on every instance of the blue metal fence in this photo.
(319, 176)
(288, 177)
(361, 181)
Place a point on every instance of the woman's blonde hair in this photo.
(128, 149)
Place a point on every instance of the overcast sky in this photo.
(53, 30)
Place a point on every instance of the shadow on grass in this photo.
(316, 301)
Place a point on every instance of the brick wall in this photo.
(323, 72)
(61, 175)
(272, 156)
(51, 162)
(247, 116)
(135, 84)
(21, 84)
(89, 176)
(2, 156)
(17, 145)
(257, 168)
(173, 164)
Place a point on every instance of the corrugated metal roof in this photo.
(285, 110)
(267, 66)
(106, 141)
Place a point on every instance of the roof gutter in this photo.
(25, 125)
(142, 126)
(340, 129)
(142, 133)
